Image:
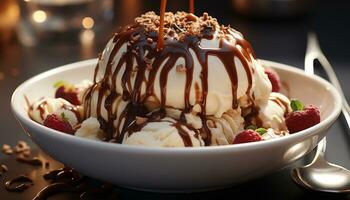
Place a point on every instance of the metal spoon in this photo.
(321, 175)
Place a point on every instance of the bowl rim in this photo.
(24, 118)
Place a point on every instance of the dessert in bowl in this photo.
(202, 87)
(168, 114)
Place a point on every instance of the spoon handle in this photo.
(321, 149)
(314, 52)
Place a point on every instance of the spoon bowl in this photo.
(321, 175)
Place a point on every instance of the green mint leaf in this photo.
(296, 105)
(261, 131)
(251, 127)
(63, 116)
(59, 84)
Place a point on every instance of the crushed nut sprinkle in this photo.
(149, 40)
(179, 24)
(6, 149)
(140, 120)
(180, 68)
(21, 147)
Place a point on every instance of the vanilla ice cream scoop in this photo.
(90, 129)
(203, 70)
(272, 114)
(225, 129)
(164, 133)
(40, 109)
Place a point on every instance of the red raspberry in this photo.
(69, 94)
(303, 119)
(274, 79)
(55, 122)
(247, 136)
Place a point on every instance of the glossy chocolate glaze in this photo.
(66, 174)
(18, 184)
(160, 58)
(68, 180)
(63, 180)
(53, 189)
(35, 161)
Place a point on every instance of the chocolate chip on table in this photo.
(60, 180)
(3, 168)
(35, 161)
(18, 184)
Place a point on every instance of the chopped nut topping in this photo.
(149, 40)
(180, 68)
(196, 108)
(191, 17)
(140, 120)
(211, 124)
(6, 149)
(205, 16)
(21, 147)
(136, 37)
(179, 24)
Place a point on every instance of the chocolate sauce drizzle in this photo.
(140, 40)
(281, 103)
(160, 43)
(191, 6)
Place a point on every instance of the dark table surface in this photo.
(281, 40)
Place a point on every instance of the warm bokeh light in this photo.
(87, 43)
(2, 76)
(39, 16)
(87, 37)
(14, 72)
(87, 22)
(9, 15)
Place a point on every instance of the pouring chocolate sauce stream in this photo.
(191, 6)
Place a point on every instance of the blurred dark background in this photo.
(277, 31)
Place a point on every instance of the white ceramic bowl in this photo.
(176, 169)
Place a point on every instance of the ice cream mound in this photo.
(203, 86)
